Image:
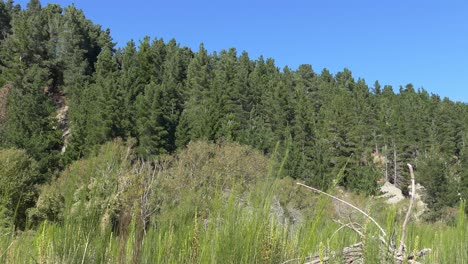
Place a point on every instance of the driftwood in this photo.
(350, 254)
(354, 253)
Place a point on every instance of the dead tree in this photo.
(354, 253)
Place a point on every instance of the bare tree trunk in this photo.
(401, 248)
(395, 165)
(386, 171)
(385, 154)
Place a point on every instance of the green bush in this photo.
(18, 185)
(87, 188)
(202, 172)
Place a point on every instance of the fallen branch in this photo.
(349, 254)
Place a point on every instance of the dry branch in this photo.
(348, 204)
(349, 225)
(354, 253)
(401, 248)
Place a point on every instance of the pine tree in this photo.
(78, 49)
(461, 189)
(257, 131)
(5, 20)
(151, 123)
(377, 88)
(30, 123)
(308, 158)
(345, 80)
(75, 41)
(434, 175)
(145, 57)
(95, 111)
(30, 67)
(225, 89)
(7, 11)
(195, 121)
(249, 94)
(173, 90)
(306, 80)
(131, 85)
(109, 99)
(276, 107)
(448, 128)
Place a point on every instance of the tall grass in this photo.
(232, 234)
(233, 223)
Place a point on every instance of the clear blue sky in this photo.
(424, 42)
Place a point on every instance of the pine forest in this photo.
(153, 152)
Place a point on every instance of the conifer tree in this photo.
(306, 162)
(377, 88)
(173, 90)
(108, 100)
(151, 123)
(146, 61)
(249, 94)
(131, 85)
(225, 89)
(76, 78)
(195, 120)
(29, 67)
(31, 123)
(461, 189)
(75, 42)
(434, 172)
(158, 54)
(5, 20)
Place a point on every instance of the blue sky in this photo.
(396, 42)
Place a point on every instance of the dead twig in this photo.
(349, 225)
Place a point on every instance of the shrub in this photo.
(18, 185)
(87, 188)
(202, 172)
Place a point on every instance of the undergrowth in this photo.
(208, 204)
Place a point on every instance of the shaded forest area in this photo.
(329, 129)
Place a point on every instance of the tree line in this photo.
(326, 128)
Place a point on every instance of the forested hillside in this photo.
(152, 152)
(330, 128)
